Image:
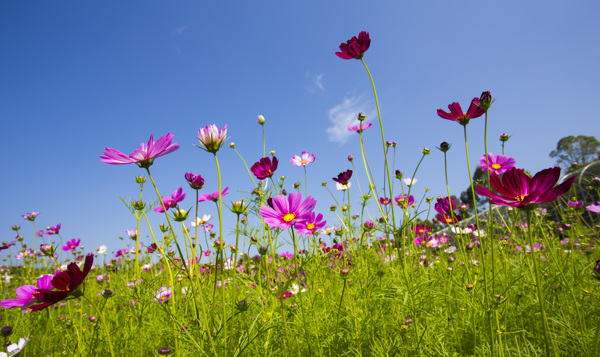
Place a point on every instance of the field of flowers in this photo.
(517, 278)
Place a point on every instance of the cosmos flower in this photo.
(355, 47)
(101, 249)
(52, 230)
(145, 155)
(295, 289)
(456, 113)
(213, 196)
(71, 245)
(172, 201)
(30, 216)
(211, 138)
(498, 164)
(443, 205)
(163, 294)
(121, 253)
(132, 233)
(594, 208)
(340, 187)
(402, 201)
(311, 225)
(421, 229)
(13, 349)
(410, 181)
(201, 221)
(25, 294)
(196, 182)
(519, 190)
(66, 283)
(286, 211)
(343, 177)
(303, 159)
(360, 127)
(384, 200)
(264, 167)
(575, 204)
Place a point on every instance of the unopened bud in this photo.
(232, 145)
(361, 117)
(350, 158)
(398, 174)
(504, 137)
(261, 120)
(140, 179)
(426, 151)
(297, 185)
(444, 146)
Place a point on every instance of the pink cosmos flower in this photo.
(264, 168)
(594, 208)
(360, 127)
(519, 190)
(25, 294)
(121, 253)
(311, 225)
(286, 211)
(302, 160)
(52, 230)
(172, 201)
(286, 255)
(30, 216)
(145, 155)
(208, 227)
(575, 204)
(355, 47)
(71, 245)
(384, 200)
(497, 164)
(421, 229)
(213, 196)
(456, 113)
(196, 181)
(163, 294)
(404, 200)
(211, 138)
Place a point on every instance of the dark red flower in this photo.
(519, 190)
(456, 113)
(66, 283)
(355, 47)
(264, 168)
(343, 177)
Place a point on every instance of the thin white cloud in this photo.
(344, 115)
(181, 29)
(315, 82)
(319, 81)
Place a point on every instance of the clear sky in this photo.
(77, 76)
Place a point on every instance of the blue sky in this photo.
(79, 76)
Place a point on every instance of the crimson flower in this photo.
(196, 181)
(264, 168)
(355, 47)
(169, 202)
(456, 113)
(145, 155)
(286, 211)
(519, 190)
(67, 283)
(343, 177)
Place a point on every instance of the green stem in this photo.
(104, 324)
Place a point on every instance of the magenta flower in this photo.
(355, 47)
(288, 210)
(145, 155)
(456, 113)
(172, 201)
(404, 200)
(196, 181)
(71, 245)
(421, 229)
(286, 255)
(443, 205)
(121, 253)
(30, 216)
(302, 160)
(311, 225)
(497, 164)
(52, 230)
(212, 138)
(575, 204)
(447, 218)
(163, 294)
(519, 190)
(25, 294)
(264, 168)
(360, 127)
(384, 200)
(66, 283)
(213, 196)
(343, 177)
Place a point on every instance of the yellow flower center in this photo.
(310, 226)
(496, 166)
(288, 217)
(448, 220)
(521, 197)
(303, 162)
(421, 230)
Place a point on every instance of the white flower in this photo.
(409, 182)
(201, 221)
(15, 347)
(101, 249)
(341, 187)
(458, 230)
(295, 289)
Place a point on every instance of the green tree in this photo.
(580, 149)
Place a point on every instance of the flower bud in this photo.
(163, 228)
(6, 331)
(444, 146)
(355, 216)
(426, 151)
(284, 192)
(16, 228)
(180, 215)
(350, 158)
(344, 208)
(138, 205)
(399, 174)
(470, 287)
(262, 249)
(261, 120)
(388, 143)
(140, 179)
(333, 208)
(485, 101)
(232, 248)
(297, 185)
(463, 207)
(344, 272)
(504, 137)
(108, 293)
(238, 207)
(163, 351)
(368, 225)
(232, 145)
(282, 178)
(428, 199)
(253, 240)
(394, 144)
(47, 249)
(242, 305)
(361, 117)
(272, 152)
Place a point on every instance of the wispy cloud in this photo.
(316, 82)
(344, 114)
(180, 30)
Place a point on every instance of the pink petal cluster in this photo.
(145, 155)
(303, 159)
(212, 196)
(284, 212)
(456, 113)
(498, 164)
(360, 127)
(172, 201)
(212, 138)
